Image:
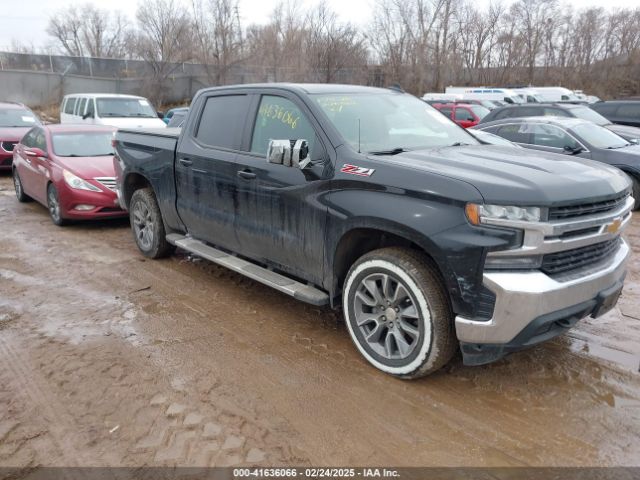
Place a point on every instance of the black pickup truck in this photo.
(370, 200)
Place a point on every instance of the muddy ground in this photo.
(110, 359)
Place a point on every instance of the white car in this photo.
(122, 111)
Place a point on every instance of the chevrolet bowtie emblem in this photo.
(614, 226)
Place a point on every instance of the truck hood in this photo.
(88, 167)
(13, 134)
(506, 175)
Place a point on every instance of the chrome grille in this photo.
(8, 146)
(109, 182)
(573, 211)
(561, 262)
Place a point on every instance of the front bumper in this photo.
(528, 302)
(6, 160)
(105, 203)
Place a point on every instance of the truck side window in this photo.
(222, 121)
(81, 106)
(90, 108)
(71, 103)
(280, 119)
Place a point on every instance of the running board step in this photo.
(298, 290)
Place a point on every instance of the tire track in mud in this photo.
(55, 417)
(458, 424)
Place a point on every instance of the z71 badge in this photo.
(355, 170)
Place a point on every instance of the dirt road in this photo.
(110, 359)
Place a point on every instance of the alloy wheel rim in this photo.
(17, 185)
(387, 317)
(54, 206)
(143, 226)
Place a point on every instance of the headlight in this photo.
(477, 213)
(76, 182)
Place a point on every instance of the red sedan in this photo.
(69, 169)
(464, 114)
(15, 121)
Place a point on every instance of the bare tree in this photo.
(89, 31)
(164, 40)
(332, 45)
(218, 35)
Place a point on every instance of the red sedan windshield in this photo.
(85, 144)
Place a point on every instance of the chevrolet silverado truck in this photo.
(371, 201)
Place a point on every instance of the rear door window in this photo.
(630, 111)
(551, 136)
(514, 133)
(70, 106)
(222, 121)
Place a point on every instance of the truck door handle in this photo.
(246, 174)
(186, 162)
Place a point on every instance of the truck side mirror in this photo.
(290, 153)
(87, 115)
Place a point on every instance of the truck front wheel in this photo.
(398, 313)
(147, 225)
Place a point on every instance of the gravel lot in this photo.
(109, 359)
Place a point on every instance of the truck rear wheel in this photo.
(398, 313)
(147, 225)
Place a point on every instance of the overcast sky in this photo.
(26, 20)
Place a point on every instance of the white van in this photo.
(529, 95)
(122, 111)
(557, 94)
(451, 97)
(486, 93)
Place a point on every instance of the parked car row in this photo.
(424, 233)
(371, 200)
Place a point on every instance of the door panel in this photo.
(281, 217)
(206, 171)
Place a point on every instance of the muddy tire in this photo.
(147, 225)
(398, 313)
(17, 184)
(53, 205)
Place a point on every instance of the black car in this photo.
(572, 136)
(571, 110)
(622, 112)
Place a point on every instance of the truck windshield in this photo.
(85, 144)
(125, 107)
(374, 122)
